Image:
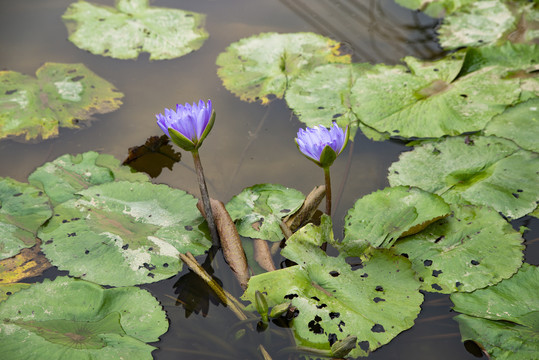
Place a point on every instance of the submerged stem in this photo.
(205, 198)
(328, 190)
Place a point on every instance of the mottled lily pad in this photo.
(134, 27)
(480, 170)
(519, 123)
(380, 218)
(473, 248)
(136, 229)
(258, 210)
(262, 66)
(322, 96)
(68, 319)
(62, 178)
(63, 95)
(503, 319)
(23, 209)
(489, 21)
(434, 8)
(374, 299)
(429, 100)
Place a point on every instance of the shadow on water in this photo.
(249, 144)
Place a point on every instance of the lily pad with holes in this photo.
(479, 170)
(258, 210)
(428, 100)
(62, 95)
(380, 218)
(473, 248)
(374, 299)
(23, 209)
(519, 123)
(88, 323)
(322, 96)
(134, 27)
(123, 233)
(63, 177)
(262, 66)
(489, 21)
(503, 319)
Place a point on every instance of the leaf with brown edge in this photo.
(28, 263)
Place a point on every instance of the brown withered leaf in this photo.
(307, 210)
(28, 263)
(230, 241)
(156, 154)
(262, 255)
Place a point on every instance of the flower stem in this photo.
(328, 190)
(205, 198)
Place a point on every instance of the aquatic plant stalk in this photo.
(327, 177)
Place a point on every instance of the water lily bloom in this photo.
(189, 125)
(322, 145)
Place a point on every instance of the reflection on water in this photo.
(249, 144)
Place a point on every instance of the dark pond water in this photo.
(249, 144)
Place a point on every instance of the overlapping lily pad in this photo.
(429, 100)
(258, 210)
(503, 319)
(489, 21)
(480, 170)
(374, 299)
(136, 229)
(95, 323)
(62, 178)
(473, 248)
(322, 96)
(134, 27)
(23, 209)
(63, 95)
(262, 66)
(380, 218)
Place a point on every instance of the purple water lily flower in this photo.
(322, 145)
(189, 125)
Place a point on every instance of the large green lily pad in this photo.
(380, 218)
(262, 66)
(428, 100)
(473, 248)
(63, 177)
(374, 299)
(322, 96)
(63, 95)
(23, 209)
(123, 233)
(258, 210)
(434, 8)
(509, 55)
(519, 123)
(489, 21)
(134, 27)
(480, 170)
(503, 319)
(68, 319)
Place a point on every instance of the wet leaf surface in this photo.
(62, 95)
(134, 27)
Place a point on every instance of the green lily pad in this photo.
(23, 209)
(519, 123)
(62, 178)
(380, 218)
(137, 229)
(63, 95)
(434, 8)
(74, 319)
(6, 290)
(374, 299)
(262, 66)
(322, 96)
(134, 27)
(469, 250)
(503, 319)
(258, 210)
(489, 21)
(428, 100)
(479, 170)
